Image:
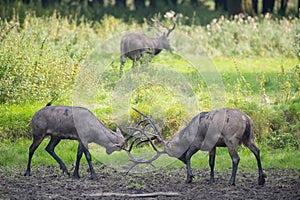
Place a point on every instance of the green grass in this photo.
(16, 154)
(253, 68)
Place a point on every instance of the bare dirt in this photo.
(47, 182)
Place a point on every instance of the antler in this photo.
(169, 15)
(174, 17)
(145, 136)
(157, 21)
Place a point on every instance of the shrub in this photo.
(39, 60)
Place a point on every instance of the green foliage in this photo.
(15, 121)
(166, 108)
(250, 36)
(296, 43)
(39, 60)
(276, 121)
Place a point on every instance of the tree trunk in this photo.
(234, 7)
(139, 4)
(92, 4)
(255, 6)
(174, 2)
(247, 7)
(221, 4)
(283, 6)
(101, 2)
(153, 4)
(268, 6)
(194, 2)
(299, 8)
(121, 3)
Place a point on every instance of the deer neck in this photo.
(157, 45)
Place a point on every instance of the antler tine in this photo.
(157, 21)
(136, 110)
(174, 20)
(150, 121)
(141, 161)
(145, 136)
(170, 15)
(133, 135)
(146, 140)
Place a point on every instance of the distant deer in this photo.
(73, 123)
(134, 45)
(219, 128)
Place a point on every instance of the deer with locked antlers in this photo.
(72, 123)
(134, 45)
(206, 131)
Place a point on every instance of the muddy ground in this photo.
(47, 182)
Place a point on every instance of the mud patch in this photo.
(47, 182)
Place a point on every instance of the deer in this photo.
(72, 123)
(134, 45)
(224, 127)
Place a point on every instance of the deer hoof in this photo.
(231, 183)
(94, 177)
(66, 173)
(189, 179)
(27, 173)
(261, 180)
(75, 176)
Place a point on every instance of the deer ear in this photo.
(118, 130)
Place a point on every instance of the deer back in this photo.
(135, 42)
(56, 121)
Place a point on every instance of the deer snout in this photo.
(121, 145)
(171, 50)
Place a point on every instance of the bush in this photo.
(276, 122)
(249, 36)
(15, 121)
(39, 60)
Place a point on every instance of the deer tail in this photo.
(249, 129)
(52, 100)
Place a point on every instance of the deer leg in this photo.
(182, 158)
(122, 62)
(212, 155)
(89, 160)
(235, 161)
(50, 149)
(190, 152)
(79, 155)
(122, 59)
(256, 152)
(35, 144)
(121, 70)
